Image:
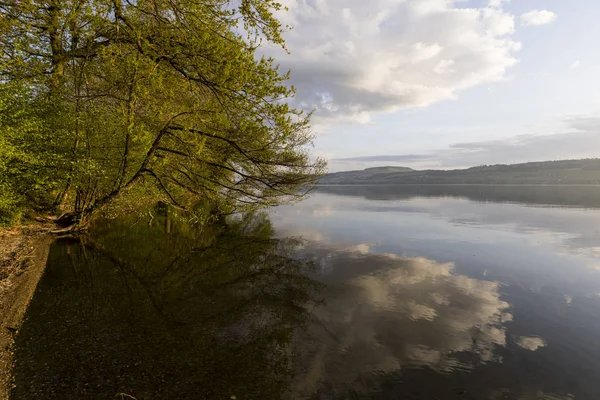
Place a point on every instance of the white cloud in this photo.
(497, 3)
(352, 58)
(575, 65)
(537, 17)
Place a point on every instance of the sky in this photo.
(446, 83)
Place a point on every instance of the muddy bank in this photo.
(23, 254)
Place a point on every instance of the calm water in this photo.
(393, 293)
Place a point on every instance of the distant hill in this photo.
(549, 172)
(363, 176)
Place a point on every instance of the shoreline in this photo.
(23, 255)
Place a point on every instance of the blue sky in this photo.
(447, 84)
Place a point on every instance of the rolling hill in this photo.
(562, 172)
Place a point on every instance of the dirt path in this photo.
(23, 255)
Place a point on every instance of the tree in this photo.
(162, 94)
(29, 151)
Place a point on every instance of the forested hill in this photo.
(549, 172)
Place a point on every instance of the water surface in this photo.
(457, 292)
(452, 292)
(174, 310)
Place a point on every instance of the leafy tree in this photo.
(29, 152)
(165, 94)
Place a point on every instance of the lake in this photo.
(359, 292)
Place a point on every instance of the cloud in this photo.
(577, 138)
(497, 3)
(575, 65)
(537, 17)
(352, 58)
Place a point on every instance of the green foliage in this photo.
(166, 91)
(9, 200)
(30, 151)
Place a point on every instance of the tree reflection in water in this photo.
(167, 311)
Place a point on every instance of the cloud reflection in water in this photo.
(388, 313)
